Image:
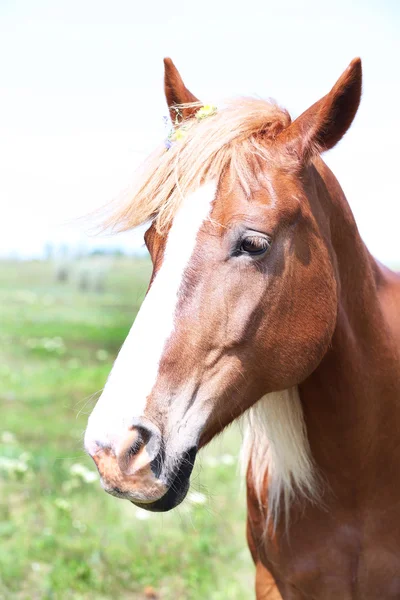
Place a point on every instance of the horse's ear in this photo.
(321, 126)
(177, 93)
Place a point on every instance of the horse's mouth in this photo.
(169, 501)
(178, 486)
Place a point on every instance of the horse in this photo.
(264, 304)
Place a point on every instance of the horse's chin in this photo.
(170, 500)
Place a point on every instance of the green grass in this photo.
(62, 537)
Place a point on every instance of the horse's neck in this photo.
(351, 401)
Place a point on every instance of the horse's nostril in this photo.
(139, 439)
(140, 447)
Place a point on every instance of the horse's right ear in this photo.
(322, 125)
(177, 93)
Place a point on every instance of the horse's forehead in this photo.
(273, 197)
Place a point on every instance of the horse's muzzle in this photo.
(139, 469)
(179, 481)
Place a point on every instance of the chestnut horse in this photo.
(264, 302)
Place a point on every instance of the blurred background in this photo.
(81, 104)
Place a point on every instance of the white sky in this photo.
(81, 98)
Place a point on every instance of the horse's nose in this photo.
(131, 465)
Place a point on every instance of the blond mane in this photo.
(275, 445)
(234, 137)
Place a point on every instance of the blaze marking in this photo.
(135, 370)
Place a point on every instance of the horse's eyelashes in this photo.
(254, 245)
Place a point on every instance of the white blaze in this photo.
(136, 368)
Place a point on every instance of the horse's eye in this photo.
(254, 245)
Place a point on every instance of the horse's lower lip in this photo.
(177, 489)
(170, 500)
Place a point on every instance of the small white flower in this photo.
(76, 469)
(102, 354)
(62, 504)
(227, 459)
(13, 466)
(90, 476)
(79, 526)
(197, 498)
(8, 438)
(55, 344)
(142, 515)
(81, 472)
(20, 467)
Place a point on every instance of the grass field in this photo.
(61, 536)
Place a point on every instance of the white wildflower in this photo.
(55, 344)
(227, 459)
(81, 527)
(142, 515)
(102, 354)
(8, 438)
(13, 467)
(62, 504)
(83, 473)
(197, 498)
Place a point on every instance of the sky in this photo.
(81, 100)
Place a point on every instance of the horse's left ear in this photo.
(321, 126)
(177, 93)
